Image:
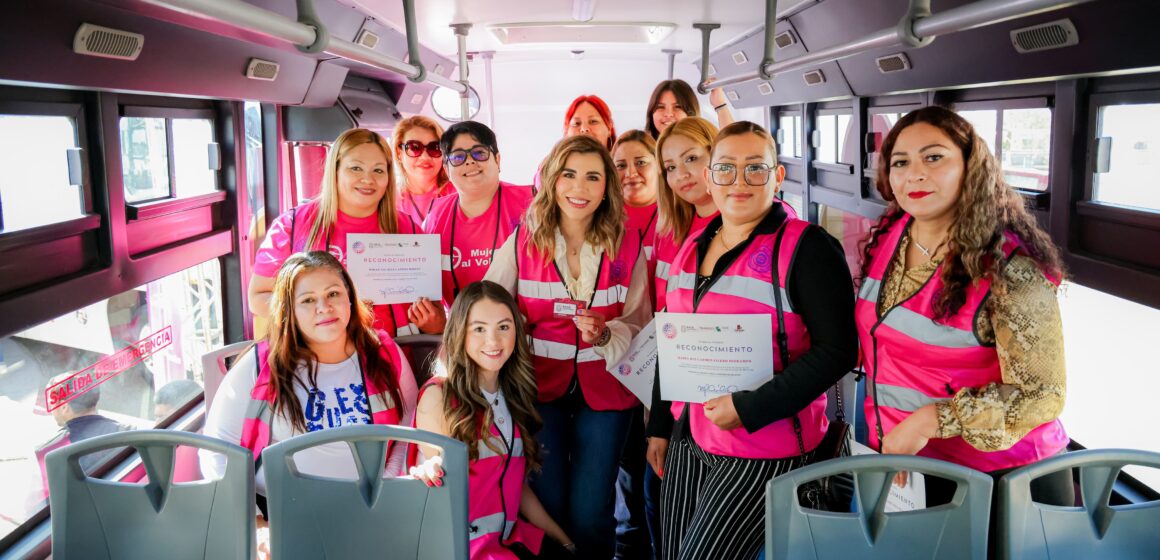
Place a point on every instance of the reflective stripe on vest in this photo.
(559, 352)
(746, 287)
(914, 359)
(491, 524)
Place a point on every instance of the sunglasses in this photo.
(477, 152)
(415, 148)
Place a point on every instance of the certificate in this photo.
(394, 268)
(635, 370)
(910, 497)
(705, 356)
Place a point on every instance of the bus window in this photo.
(1026, 147)
(33, 169)
(155, 169)
(1112, 372)
(880, 125)
(850, 230)
(122, 363)
(1135, 156)
(795, 201)
(986, 123)
(790, 136)
(833, 128)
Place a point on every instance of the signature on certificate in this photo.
(717, 389)
(396, 290)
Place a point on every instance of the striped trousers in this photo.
(713, 506)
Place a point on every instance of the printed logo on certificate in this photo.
(394, 268)
(635, 370)
(705, 356)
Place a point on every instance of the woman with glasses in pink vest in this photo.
(957, 314)
(579, 276)
(321, 366)
(754, 258)
(487, 401)
(419, 162)
(358, 196)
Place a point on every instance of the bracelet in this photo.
(605, 336)
(721, 106)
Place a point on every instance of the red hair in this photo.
(601, 108)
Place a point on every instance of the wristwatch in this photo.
(605, 336)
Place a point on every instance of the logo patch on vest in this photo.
(762, 260)
(616, 271)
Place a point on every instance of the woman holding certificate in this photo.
(358, 196)
(957, 312)
(580, 279)
(752, 259)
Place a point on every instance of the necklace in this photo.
(493, 400)
(928, 253)
(724, 243)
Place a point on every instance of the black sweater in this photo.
(822, 292)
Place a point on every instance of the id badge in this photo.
(566, 307)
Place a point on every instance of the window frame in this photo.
(172, 202)
(795, 168)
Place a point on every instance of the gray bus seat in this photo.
(215, 364)
(316, 517)
(1028, 529)
(420, 350)
(94, 519)
(954, 530)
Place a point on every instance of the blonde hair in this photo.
(406, 125)
(328, 198)
(607, 227)
(675, 214)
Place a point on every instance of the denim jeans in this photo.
(581, 451)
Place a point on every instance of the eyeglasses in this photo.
(756, 174)
(477, 152)
(415, 148)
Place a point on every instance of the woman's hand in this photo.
(429, 471)
(263, 538)
(716, 95)
(428, 316)
(590, 324)
(911, 435)
(721, 412)
(658, 449)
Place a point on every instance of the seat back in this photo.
(315, 517)
(950, 531)
(95, 519)
(1031, 530)
(216, 363)
(420, 350)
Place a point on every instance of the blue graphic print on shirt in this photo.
(343, 407)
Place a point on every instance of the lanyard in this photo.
(644, 231)
(494, 239)
(431, 204)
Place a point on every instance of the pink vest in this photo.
(559, 352)
(914, 360)
(666, 249)
(644, 220)
(495, 487)
(746, 287)
(392, 317)
(260, 411)
(465, 258)
(418, 208)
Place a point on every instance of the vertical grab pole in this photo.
(672, 59)
(413, 57)
(770, 32)
(706, 29)
(461, 30)
(487, 58)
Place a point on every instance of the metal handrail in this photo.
(970, 16)
(276, 26)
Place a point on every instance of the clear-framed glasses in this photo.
(415, 148)
(756, 174)
(478, 152)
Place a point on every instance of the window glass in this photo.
(118, 364)
(447, 103)
(1027, 147)
(1135, 157)
(34, 170)
(791, 137)
(796, 202)
(191, 141)
(986, 123)
(144, 159)
(850, 229)
(1110, 348)
(835, 143)
(880, 125)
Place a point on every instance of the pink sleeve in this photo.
(276, 247)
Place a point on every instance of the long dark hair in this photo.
(682, 91)
(987, 208)
(288, 349)
(468, 414)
